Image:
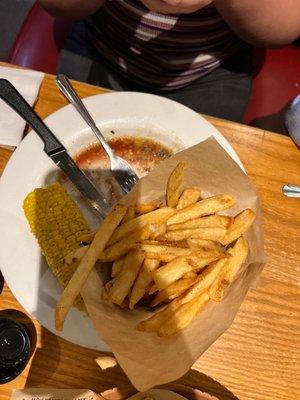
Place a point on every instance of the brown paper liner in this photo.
(54, 394)
(147, 359)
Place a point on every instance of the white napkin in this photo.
(28, 83)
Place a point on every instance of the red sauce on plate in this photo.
(142, 153)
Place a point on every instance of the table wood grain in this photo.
(258, 357)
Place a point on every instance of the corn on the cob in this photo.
(58, 225)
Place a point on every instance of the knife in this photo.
(54, 148)
(291, 190)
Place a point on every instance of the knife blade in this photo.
(81, 181)
(54, 148)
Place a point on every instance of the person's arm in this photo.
(262, 22)
(259, 22)
(71, 9)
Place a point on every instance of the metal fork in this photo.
(122, 171)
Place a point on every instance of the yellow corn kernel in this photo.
(58, 225)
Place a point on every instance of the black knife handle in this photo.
(15, 100)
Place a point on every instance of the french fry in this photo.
(200, 263)
(152, 289)
(189, 196)
(204, 207)
(88, 237)
(150, 241)
(117, 266)
(130, 214)
(211, 233)
(183, 315)
(125, 279)
(125, 303)
(153, 323)
(174, 270)
(160, 230)
(75, 255)
(119, 249)
(183, 244)
(238, 254)
(162, 245)
(154, 217)
(87, 263)
(204, 280)
(173, 185)
(165, 257)
(145, 208)
(143, 281)
(163, 253)
(195, 243)
(109, 284)
(240, 224)
(191, 274)
(161, 241)
(175, 289)
(214, 220)
(169, 273)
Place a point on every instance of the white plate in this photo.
(25, 271)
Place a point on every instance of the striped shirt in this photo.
(162, 52)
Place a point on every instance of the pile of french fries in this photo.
(171, 258)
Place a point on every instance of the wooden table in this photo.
(257, 357)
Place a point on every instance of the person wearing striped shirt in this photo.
(197, 52)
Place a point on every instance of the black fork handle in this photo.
(16, 101)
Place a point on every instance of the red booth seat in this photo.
(39, 41)
(276, 83)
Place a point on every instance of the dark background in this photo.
(12, 15)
